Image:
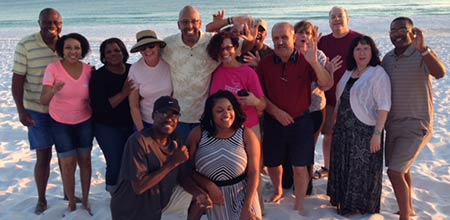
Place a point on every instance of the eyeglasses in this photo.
(150, 45)
(186, 22)
(169, 115)
(261, 29)
(48, 23)
(227, 48)
(403, 30)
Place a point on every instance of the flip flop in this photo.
(318, 174)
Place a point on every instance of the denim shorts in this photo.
(73, 139)
(40, 135)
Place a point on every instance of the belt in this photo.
(231, 181)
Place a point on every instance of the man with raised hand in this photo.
(31, 57)
(286, 78)
(409, 125)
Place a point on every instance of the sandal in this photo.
(318, 174)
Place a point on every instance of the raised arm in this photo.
(324, 79)
(141, 185)
(434, 63)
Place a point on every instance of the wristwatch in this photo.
(377, 132)
(426, 52)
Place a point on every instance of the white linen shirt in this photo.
(191, 70)
(370, 93)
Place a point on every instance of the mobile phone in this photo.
(242, 92)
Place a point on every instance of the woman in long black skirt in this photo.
(364, 100)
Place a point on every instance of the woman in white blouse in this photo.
(364, 100)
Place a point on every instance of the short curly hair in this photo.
(119, 43)
(85, 48)
(215, 44)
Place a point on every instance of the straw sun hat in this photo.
(146, 37)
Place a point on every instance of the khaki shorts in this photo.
(404, 142)
(327, 128)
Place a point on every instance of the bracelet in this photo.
(426, 52)
(230, 20)
(377, 132)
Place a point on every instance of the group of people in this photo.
(191, 124)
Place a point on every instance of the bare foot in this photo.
(77, 199)
(87, 207)
(41, 206)
(72, 206)
(302, 212)
(276, 198)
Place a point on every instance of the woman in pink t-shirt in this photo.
(66, 91)
(239, 79)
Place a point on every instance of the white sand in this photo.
(18, 195)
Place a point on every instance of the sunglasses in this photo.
(150, 45)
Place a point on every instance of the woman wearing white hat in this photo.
(151, 78)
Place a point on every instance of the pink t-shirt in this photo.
(71, 104)
(234, 79)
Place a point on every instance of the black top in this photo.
(103, 85)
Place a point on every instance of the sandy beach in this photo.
(18, 195)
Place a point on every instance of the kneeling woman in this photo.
(226, 157)
(66, 91)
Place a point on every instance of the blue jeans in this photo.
(111, 140)
(40, 136)
(183, 131)
(72, 139)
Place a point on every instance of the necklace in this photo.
(358, 72)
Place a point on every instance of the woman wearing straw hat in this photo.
(151, 78)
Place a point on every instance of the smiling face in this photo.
(151, 53)
(362, 54)
(260, 36)
(165, 122)
(50, 24)
(228, 51)
(190, 25)
(72, 50)
(223, 113)
(113, 54)
(338, 19)
(401, 34)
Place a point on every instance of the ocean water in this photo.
(23, 13)
(101, 19)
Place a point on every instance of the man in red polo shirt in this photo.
(286, 78)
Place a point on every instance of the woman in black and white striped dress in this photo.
(226, 157)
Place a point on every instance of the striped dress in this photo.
(222, 160)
